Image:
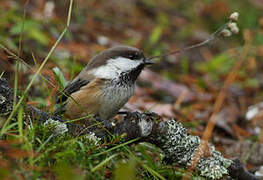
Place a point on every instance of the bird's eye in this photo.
(134, 56)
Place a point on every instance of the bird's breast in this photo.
(113, 98)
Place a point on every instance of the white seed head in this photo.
(226, 33)
(233, 28)
(232, 25)
(234, 16)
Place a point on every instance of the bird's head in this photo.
(118, 61)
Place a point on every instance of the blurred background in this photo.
(184, 86)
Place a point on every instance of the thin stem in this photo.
(211, 38)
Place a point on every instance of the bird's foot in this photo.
(123, 112)
(105, 123)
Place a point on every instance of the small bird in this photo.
(104, 85)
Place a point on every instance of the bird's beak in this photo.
(147, 61)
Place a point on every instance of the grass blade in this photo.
(103, 162)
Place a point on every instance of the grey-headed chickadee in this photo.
(104, 85)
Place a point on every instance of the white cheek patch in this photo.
(104, 72)
(124, 64)
(115, 67)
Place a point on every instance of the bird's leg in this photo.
(106, 123)
(123, 112)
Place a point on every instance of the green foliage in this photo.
(66, 172)
(126, 170)
(258, 39)
(32, 30)
(185, 65)
(219, 65)
(83, 158)
(59, 77)
(156, 34)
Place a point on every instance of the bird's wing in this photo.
(71, 87)
(61, 97)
